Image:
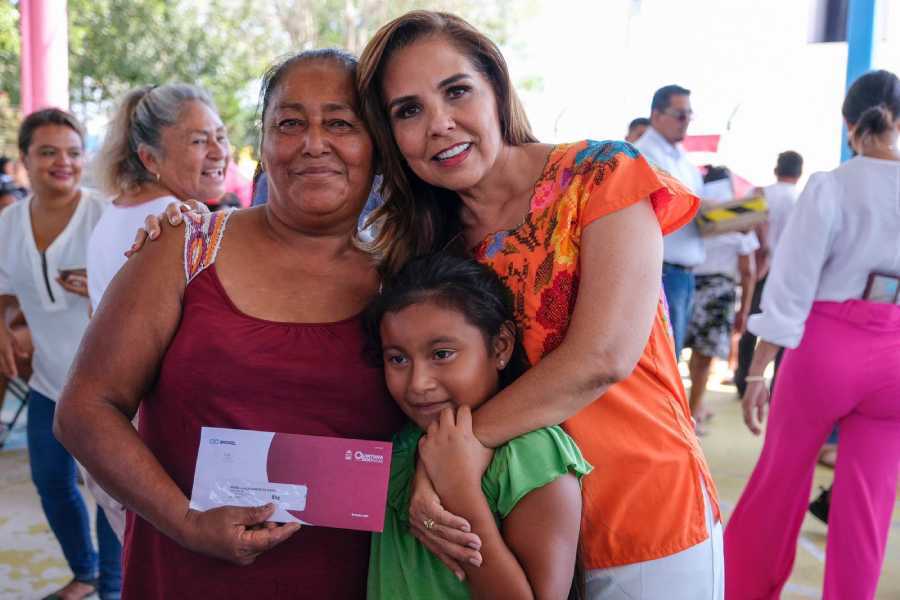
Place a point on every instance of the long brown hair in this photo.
(416, 217)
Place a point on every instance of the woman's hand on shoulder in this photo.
(174, 215)
(454, 458)
(234, 534)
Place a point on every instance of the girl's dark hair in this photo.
(872, 104)
(46, 116)
(418, 218)
(271, 81)
(453, 282)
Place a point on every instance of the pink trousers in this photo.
(846, 371)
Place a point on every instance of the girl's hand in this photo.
(756, 404)
(454, 458)
(447, 536)
(235, 534)
(174, 215)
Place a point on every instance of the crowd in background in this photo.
(550, 287)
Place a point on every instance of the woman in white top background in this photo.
(841, 366)
(165, 143)
(43, 246)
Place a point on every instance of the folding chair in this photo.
(19, 390)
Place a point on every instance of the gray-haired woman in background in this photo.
(164, 144)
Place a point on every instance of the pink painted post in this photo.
(45, 54)
(25, 55)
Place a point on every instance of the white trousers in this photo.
(697, 573)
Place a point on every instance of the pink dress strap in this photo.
(202, 241)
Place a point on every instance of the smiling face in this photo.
(54, 160)
(194, 154)
(443, 113)
(435, 359)
(316, 150)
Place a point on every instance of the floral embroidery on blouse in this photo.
(538, 261)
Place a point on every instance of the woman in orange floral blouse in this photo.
(575, 231)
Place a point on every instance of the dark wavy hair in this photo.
(453, 282)
(872, 104)
(418, 218)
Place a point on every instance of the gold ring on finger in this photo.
(429, 524)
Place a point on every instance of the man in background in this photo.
(781, 197)
(636, 129)
(670, 115)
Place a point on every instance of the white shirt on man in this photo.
(846, 225)
(56, 318)
(683, 247)
(781, 198)
(112, 236)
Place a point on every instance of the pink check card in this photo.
(314, 480)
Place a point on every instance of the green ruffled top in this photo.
(400, 567)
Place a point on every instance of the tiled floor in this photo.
(31, 563)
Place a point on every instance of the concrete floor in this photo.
(31, 564)
(732, 450)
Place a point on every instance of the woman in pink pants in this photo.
(831, 300)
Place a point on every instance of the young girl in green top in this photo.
(445, 330)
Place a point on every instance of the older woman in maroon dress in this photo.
(249, 321)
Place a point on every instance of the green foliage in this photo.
(9, 127)
(350, 23)
(115, 45)
(222, 45)
(9, 50)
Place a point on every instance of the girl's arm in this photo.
(621, 275)
(116, 366)
(543, 531)
(534, 556)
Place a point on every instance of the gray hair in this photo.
(139, 121)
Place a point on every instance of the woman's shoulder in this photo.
(593, 152)
(12, 215)
(202, 240)
(583, 164)
(95, 199)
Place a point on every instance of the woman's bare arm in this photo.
(116, 366)
(621, 275)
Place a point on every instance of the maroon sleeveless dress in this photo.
(227, 369)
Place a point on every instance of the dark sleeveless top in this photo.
(227, 369)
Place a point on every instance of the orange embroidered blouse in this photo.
(644, 498)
